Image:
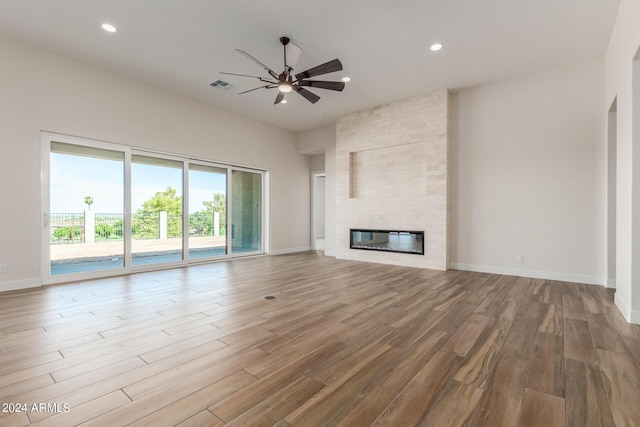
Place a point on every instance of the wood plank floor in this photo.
(342, 344)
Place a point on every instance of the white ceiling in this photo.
(182, 45)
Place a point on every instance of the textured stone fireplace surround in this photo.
(392, 172)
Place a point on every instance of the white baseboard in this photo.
(535, 274)
(15, 285)
(290, 250)
(330, 253)
(629, 315)
(611, 283)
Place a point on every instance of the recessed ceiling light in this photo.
(284, 101)
(346, 79)
(108, 27)
(436, 47)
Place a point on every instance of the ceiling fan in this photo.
(287, 82)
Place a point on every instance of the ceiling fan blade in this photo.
(241, 75)
(279, 98)
(246, 75)
(327, 67)
(339, 86)
(269, 70)
(271, 86)
(310, 96)
(292, 55)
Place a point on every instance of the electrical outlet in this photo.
(3, 268)
(520, 258)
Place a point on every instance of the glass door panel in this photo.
(86, 218)
(207, 211)
(156, 210)
(246, 211)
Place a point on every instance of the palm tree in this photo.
(88, 201)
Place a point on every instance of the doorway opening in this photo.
(318, 211)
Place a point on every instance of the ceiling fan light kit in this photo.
(287, 82)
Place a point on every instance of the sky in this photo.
(75, 177)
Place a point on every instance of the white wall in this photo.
(319, 206)
(317, 163)
(314, 141)
(331, 195)
(612, 118)
(528, 157)
(529, 177)
(41, 91)
(620, 83)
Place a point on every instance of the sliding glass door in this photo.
(86, 209)
(246, 208)
(116, 209)
(207, 211)
(156, 210)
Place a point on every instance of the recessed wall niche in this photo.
(396, 171)
(392, 172)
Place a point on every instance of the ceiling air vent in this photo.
(221, 85)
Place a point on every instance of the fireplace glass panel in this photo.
(411, 242)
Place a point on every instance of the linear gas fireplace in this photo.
(408, 242)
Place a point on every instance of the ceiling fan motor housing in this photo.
(285, 83)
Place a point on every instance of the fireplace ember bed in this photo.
(400, 241)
